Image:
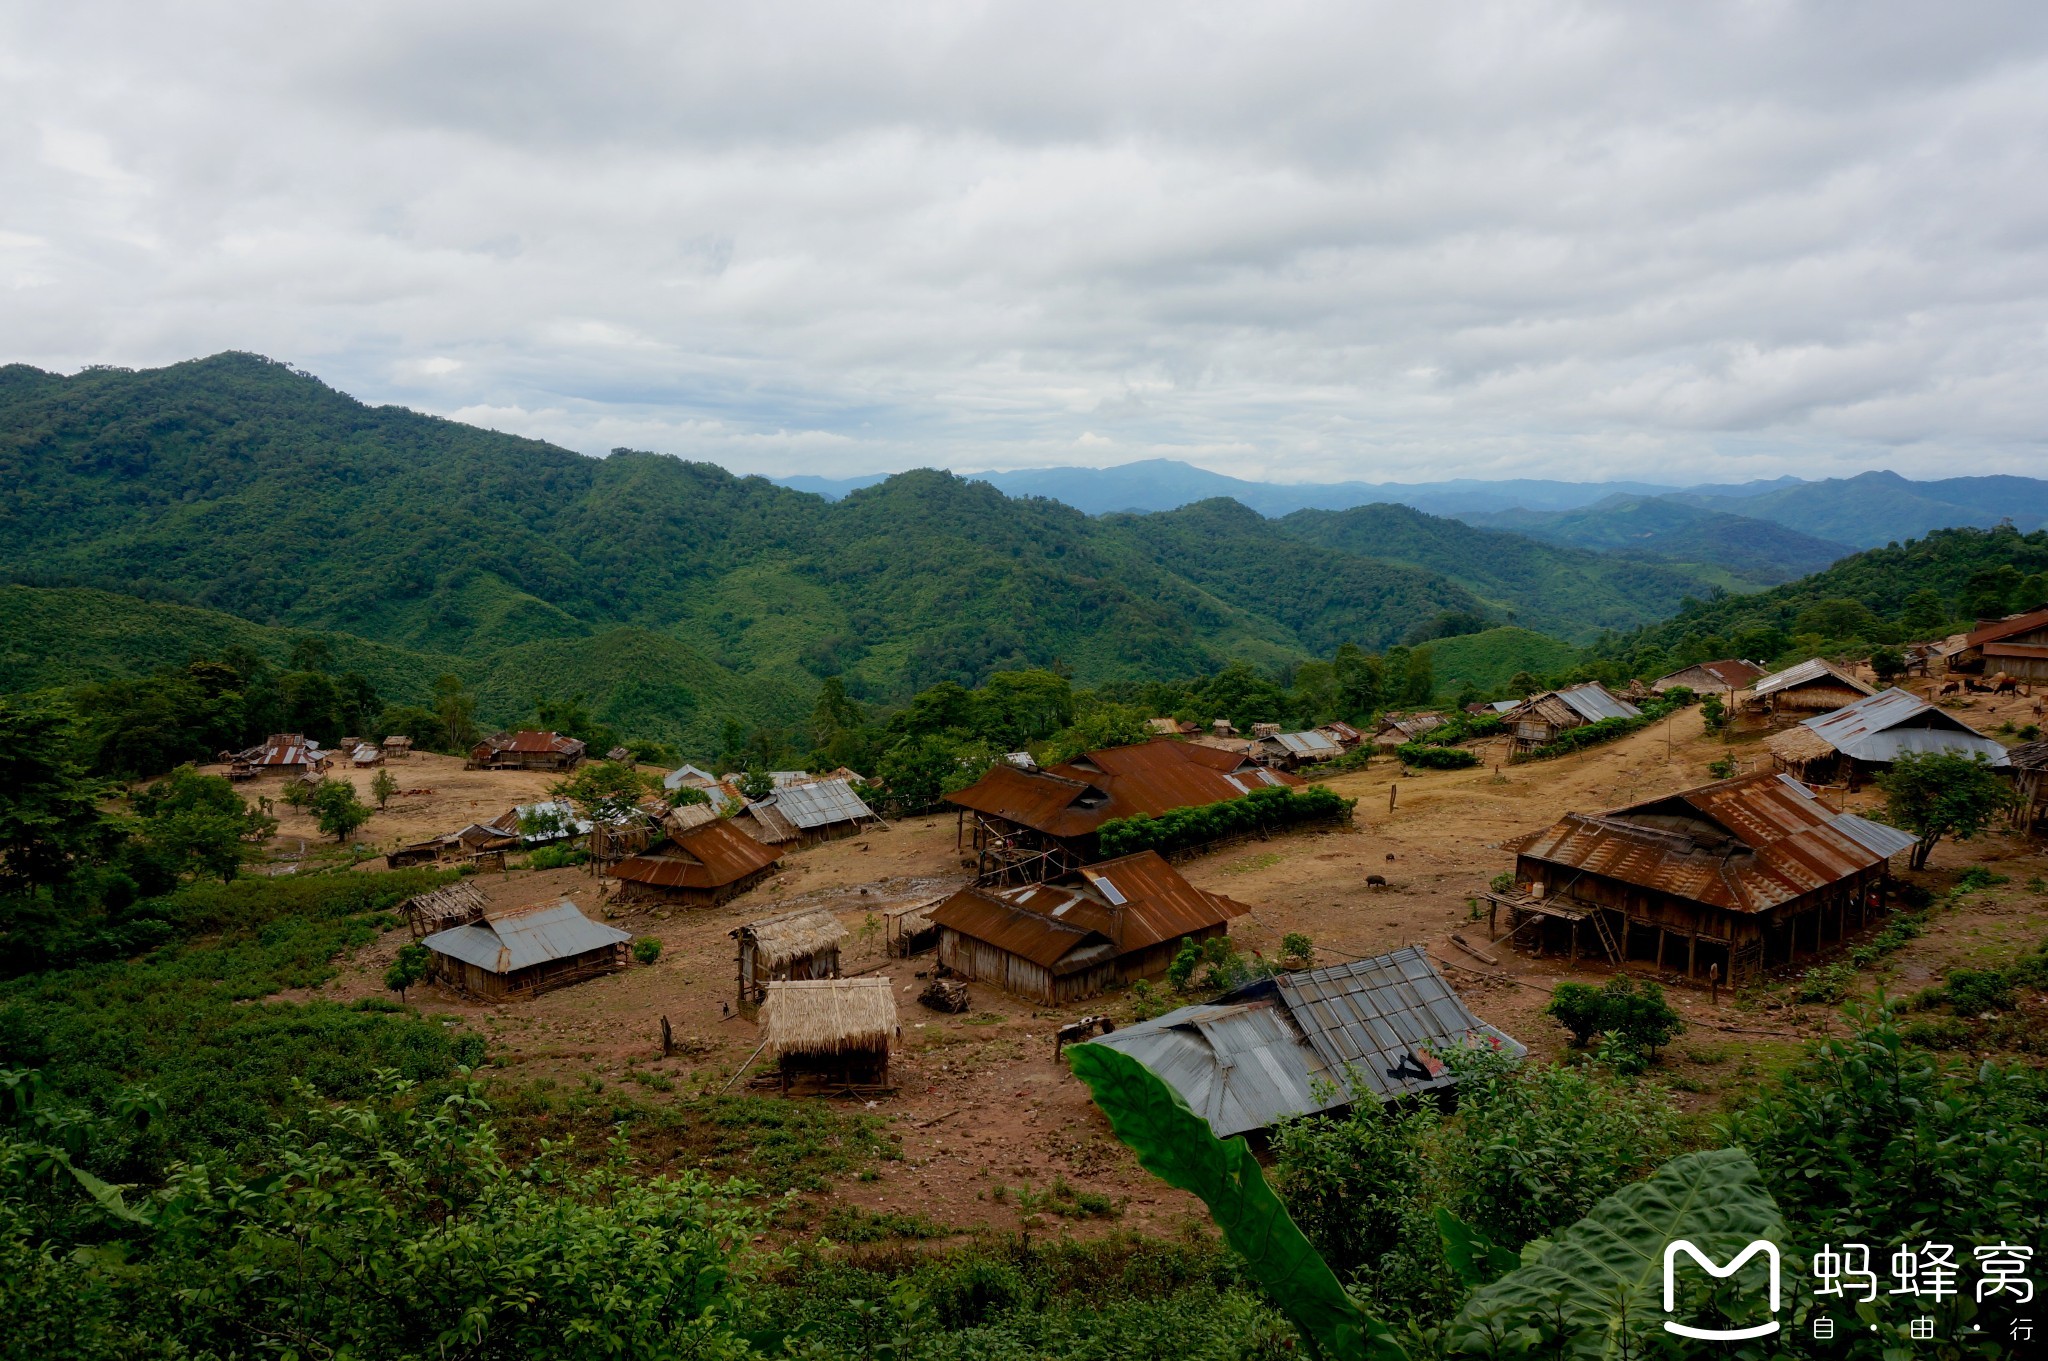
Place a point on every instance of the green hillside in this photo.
(1487, 661)
(641, 683)
(1749, 552)
(1567, 591)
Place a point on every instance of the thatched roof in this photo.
(829, 1015)
(778, 940)
(911, 918)
(458, 902)
(1799, 744)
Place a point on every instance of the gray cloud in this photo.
(1300, 241)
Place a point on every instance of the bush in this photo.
(1723, 769)
(1827, 984)
(1636, 1016)
(1426, 757)
(1297, 951)
(556, 857)
(1975, 991)
(647, 949)
(1593, 734)
(1181, 828)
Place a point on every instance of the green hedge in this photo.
(1180, 828)
(1426, 756)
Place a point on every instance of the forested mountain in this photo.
(1667, 529)
(1881, 507)
(1567, 591)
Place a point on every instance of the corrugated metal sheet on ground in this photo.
(821, 803)
(1240, 1067)
(505, 942)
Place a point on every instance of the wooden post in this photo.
(1572, 951)
(1692, 954)
(1392, 791)
(1492, 916)
(668, 1039)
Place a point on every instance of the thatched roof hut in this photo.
(833, 1029)
(794, 945)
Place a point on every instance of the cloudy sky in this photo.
(1302, 242)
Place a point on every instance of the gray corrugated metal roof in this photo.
(1885, 726)
(1592, 702)
(821, 803)
(512, 941)
(1258, 1055)
(568, 820)
(1812, 669)
(1241, 1066)
(1877, 837)
(1309, 743)
(690, 775)
(1501, 706)
(1363, 1018)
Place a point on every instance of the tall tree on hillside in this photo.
(336, 809)
(1361, 682)
(456, 708)
(50, 819)
(1936, 794)
(311, 652)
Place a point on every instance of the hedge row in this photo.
(1180, 828)
(1607, 729)
(1427, 757)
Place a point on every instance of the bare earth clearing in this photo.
(980, 1103)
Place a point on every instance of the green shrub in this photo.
(1636, 1017)
(1723, 769)
(1977, 877)
(1183, 828)
(1426, 757)
(647, 949)
(1591, 735)
(1825, 983)
(556, 857)
(1974, 991)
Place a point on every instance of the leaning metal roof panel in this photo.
(1240, 1066)
(821, 804)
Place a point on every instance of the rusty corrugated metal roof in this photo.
(1118, 782)
(2006, 628)
(1732, 672)
(1131, 903)
(1744, 845)
(710, 855)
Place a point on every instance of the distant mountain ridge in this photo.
(1671, 529)
(1864, 511)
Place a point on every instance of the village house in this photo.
(830, 1033)
(1858, 740)
(2029, 765)
(803, 943)
(364, 756)
(1028, 825)
(1397, 729)
(1722, 678)
(1798, 692)
(1172, 727)
(800, 815)
(1541, 718)
(397, 747)
(281, 753)
(2015, 646)
(1737, 876)
(526, 750)
(475, 843)
(1293, 750)
(1343, 734)
(1112, 923)
(704, 866)
(1313, 1040)
(525, 951)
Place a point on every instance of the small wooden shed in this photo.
(908, 928)
(456, 904)
(525, 951)
(803, 944)
(831, 1031)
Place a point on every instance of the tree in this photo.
(50, 819)
(411, 967)
(456, 708)
(383, 785)
(1360, 679)
(310, 652)
(336, 809)
(1297, 951)
(604, 791)
(195, 823)
(756, 784)
(1887, 664)
(1936, 794)
(915, 770)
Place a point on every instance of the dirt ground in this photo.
(980, 1103)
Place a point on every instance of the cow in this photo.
(1951, 687)
(2006, 686)
(1075, 1032)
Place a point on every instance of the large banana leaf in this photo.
(1176, 1145)
(1597, 1290)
